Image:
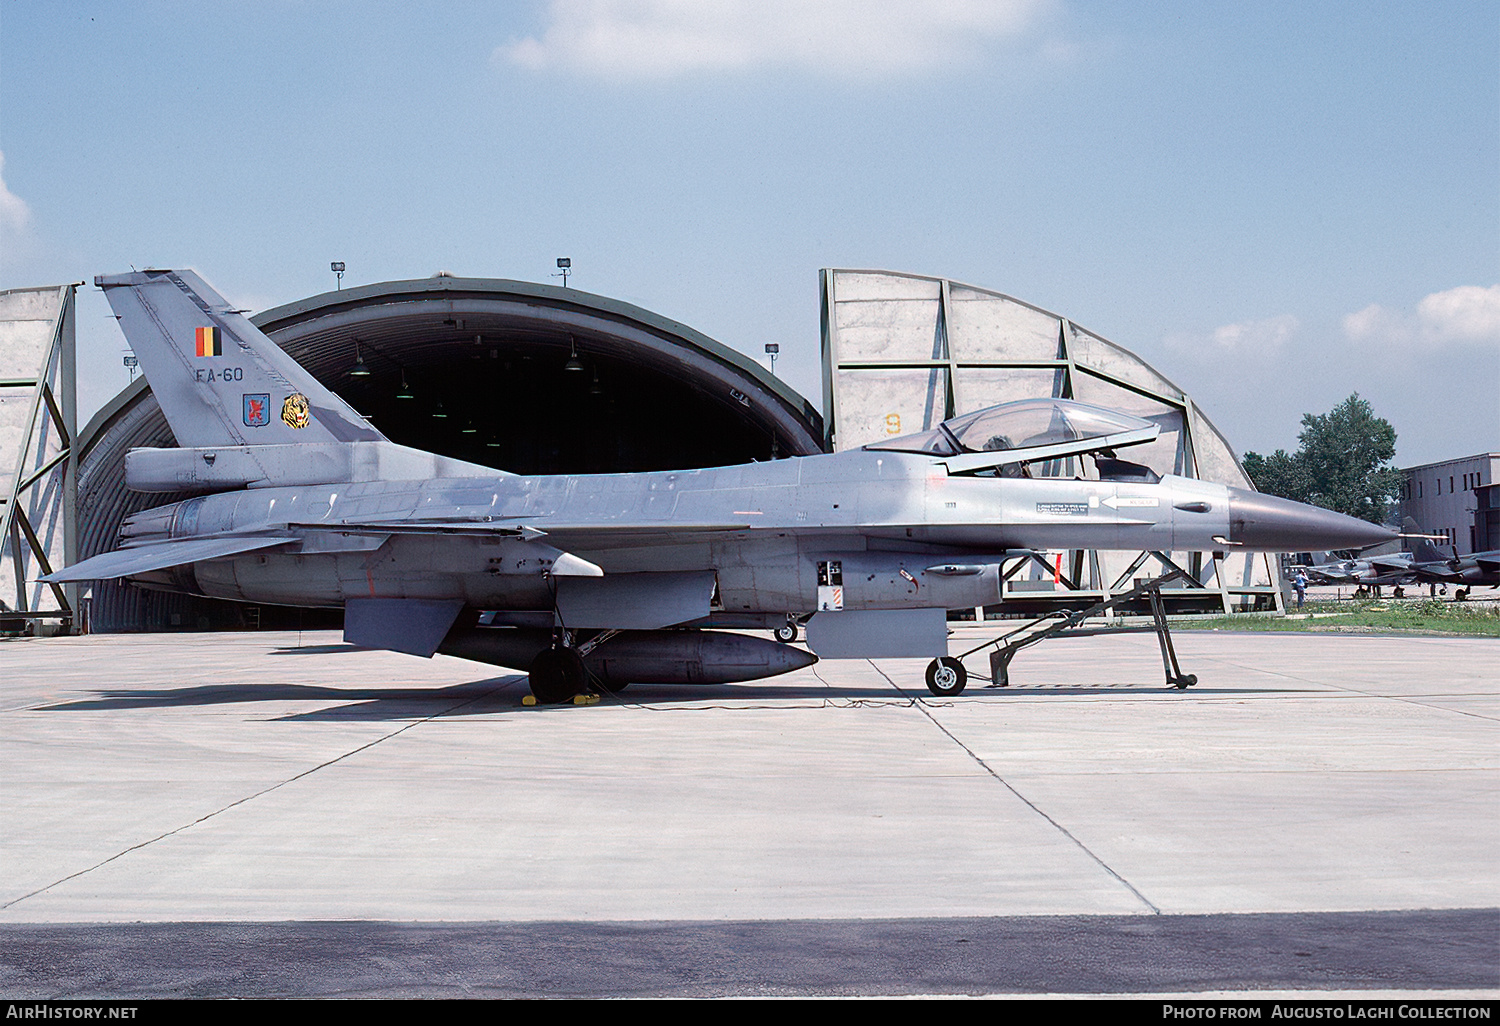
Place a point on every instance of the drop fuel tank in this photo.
(640, 657)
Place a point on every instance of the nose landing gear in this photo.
(946, 677)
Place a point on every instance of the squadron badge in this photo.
(257, 409)
(296, 412)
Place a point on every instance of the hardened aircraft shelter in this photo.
(904, 352)
(37, 424)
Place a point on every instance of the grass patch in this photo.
(1366, 616)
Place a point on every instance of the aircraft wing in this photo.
(138, 560)
(1439, 572)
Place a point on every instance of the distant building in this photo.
(1457, 499)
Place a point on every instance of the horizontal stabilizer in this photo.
(124, 562)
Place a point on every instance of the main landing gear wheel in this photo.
(786, 633)
(946, 677)
(1184, 682)
(557, 675)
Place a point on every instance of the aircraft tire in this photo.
(786, 633)
(946, 677)
(556, 675)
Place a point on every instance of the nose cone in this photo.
(1272, 524)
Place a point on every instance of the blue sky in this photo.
(1276, 204)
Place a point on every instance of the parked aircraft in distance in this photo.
(623, 577)
(1365, 572)
(1434, 564)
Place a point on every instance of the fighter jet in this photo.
(620, 578)
(1372, 571)
(1442, 565)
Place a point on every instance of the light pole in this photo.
(337, 267)
(772, 348)
(565, 267)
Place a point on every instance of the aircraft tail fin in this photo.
(1443, 553)
(1422, 549)
(218, 378)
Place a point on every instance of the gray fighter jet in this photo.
(622, 576)
(1434, 564)
(1369, 572)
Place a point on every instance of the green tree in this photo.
(1343, 463)
(1279, 474)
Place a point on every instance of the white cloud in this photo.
(1468, 313)
(661, 39)
(1457, 316)
(15, 216)
(1270, 333)
(1376, 323)
(1247, 339)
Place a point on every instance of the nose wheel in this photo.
(946, 677)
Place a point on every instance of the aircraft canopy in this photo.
(1028, 429)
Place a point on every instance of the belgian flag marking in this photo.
(209, 342)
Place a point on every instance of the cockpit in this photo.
(1005, 440)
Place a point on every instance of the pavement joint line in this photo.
(242, 801)
(921, 705)
(1408, 700)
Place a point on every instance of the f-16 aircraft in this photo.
(1442, 565)
(622, 577)
(1373, 571)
